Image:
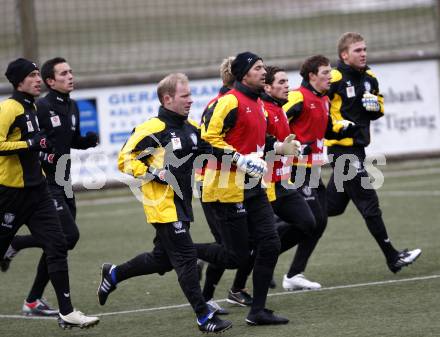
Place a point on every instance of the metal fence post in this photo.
(28, 29)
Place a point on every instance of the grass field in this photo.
(360, 296)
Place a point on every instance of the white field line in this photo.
(414, 183)
(410, 193)
(284, 293)
(409, 173)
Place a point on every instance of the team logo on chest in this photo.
(73, 122)
(351, 92)
(7, 220)
(248, 110)
(367, 86)
(55, 120)
(193, 138)
(175, 142)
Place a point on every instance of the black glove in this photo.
(49, 158)
(91, 139)
(307, 149)
(166, 177)
(349, 130)
(40, 142)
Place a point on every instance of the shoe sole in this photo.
(248, 322)
(236, 303)
(299, 289)
(39, 315)
(217, 332)
(67, 326)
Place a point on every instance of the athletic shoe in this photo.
(39, 307)
(241, 298)
(6, 261)
(200, 266)
(211, 323)
(299, 282)
(216, 308)
(265, 317)
(76, 319)
(404, 258)
(106, 285)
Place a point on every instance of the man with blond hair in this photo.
(161, 151)
(354, 95)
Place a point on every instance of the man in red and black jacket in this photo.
(297, 222)
(307, 110)
(236, 129)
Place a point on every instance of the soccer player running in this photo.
(24, 194)
(355, 96)
(162, 151)
(297, 222)
(236, 130)
(237, 294)
(307, 110)
(58, 114)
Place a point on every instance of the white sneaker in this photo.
(76, 319)
(403, 259)
(299, 282)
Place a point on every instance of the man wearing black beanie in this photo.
(24, 195)
(235, 126)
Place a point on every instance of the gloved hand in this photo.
(307, 149)
(92, 139)
(49, 158)
(349, 128)
(40, 142)
(370, 102)
(160, 175)
(253, 165)
(289, 147)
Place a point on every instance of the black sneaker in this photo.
(265, 317)
(214, 324)
(7, 258)
(404, 258)
(241, 298)
(106, 285)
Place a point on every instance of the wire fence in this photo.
(113, 37)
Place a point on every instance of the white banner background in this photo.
(411, 123)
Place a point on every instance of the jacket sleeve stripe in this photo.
(218, 121)
(294, 105)
(141, 144)
(8, 113)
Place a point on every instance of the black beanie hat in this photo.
(18, 70)
(242, 63)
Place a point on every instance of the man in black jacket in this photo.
(58, 114)
(24, 194)
(161, 151)
(355, 96)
